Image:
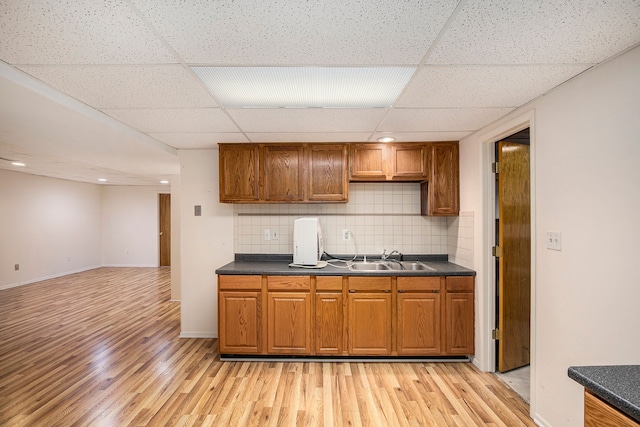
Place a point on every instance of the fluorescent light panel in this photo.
(305, 87)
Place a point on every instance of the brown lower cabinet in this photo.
(598, 413)
(419, 316)
(346, 315)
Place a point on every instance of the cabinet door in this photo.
(443, 187)
(369, 324)
(459, 327)
(419, 323)
(283, 173)
(368, 162)
(329, 323)
(408, 162)
(328, 180)
(239, 172)
(289, 323)
(239, 322)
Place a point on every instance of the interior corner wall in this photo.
(176, 257)
(585, 172)
(206, 242)
(50, 227)
(130, 225)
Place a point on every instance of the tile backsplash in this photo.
(379, 216)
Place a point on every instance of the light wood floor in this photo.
(101, 348)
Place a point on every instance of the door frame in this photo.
(487, 321)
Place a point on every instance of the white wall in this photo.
(206, 242)
(585, 156)
(51, 227)
(130, 225)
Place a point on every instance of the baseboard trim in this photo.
(348, 359)
(52, 276)
(207, 335)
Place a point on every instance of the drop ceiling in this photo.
(92, 89)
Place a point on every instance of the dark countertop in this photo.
(617, 385)
(246, 264)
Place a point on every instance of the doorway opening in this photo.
(164, 223)
(513, 261)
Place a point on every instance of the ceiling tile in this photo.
(309, 137)
(483, 86)
(538, 32)
(453, 119)
(79, 32)
(423, 136)
(175, 119)
(307, 119)
(299, 32)
(193, 140)
(127, 86)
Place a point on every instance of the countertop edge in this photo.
(625, 406)
(240, 268)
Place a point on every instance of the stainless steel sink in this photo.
(416, 266)
(369, 266)
(389, 265)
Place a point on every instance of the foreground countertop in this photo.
(249, 264)
(617, 385)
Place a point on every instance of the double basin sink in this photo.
(384, 265)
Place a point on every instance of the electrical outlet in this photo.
(267, 234)
(346, 234)
(554, 240)
(274, 235)
(16, 267)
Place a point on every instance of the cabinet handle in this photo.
(353, 291)
(387, 291)
(401, 291)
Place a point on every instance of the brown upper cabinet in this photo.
(389, 162)
(239, 173)
(320, 173)
(283, 173)
(441, 193)
(328, 180)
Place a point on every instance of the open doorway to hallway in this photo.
(513, 261)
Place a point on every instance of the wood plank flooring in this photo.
(101, 348)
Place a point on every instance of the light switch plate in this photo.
(554, 240)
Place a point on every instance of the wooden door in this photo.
(283, 174)
(514, 264)
(289, 324)
(164, 219)
(328, 179)
(369, 324)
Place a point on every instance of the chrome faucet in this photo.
(384, 255)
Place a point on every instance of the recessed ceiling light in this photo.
(305, 87)
(18, 164)
(102, 180)
(386, 139)
(164, 181)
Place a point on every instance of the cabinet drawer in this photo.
(239, 282)
(288, 283)
(460, 284)
(418, 284)
(329, 283)
(370, 284)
